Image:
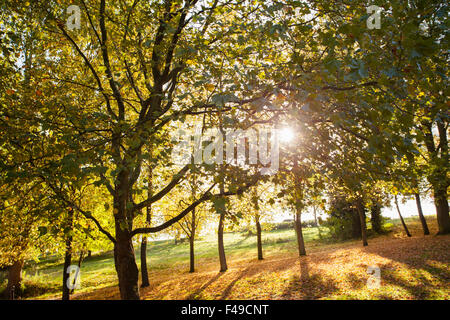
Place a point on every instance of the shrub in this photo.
(340, 229)
(284, 225)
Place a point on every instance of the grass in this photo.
(411, 268)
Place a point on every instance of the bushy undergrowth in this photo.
(31, 287)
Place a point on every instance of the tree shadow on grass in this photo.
(256, 268)
(243, 238)
(197, 294)
(228, 289)
(419, 287)
(417, 254)
(356, 281)
(308, 286)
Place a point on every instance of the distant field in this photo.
(281, 275)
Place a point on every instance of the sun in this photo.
(286, 134)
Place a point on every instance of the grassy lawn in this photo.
(411, 268)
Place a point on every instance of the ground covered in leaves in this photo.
(410, 268)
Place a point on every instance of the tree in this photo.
(407, 178)
(113, 62)
(148, 219)
(191, 225)
(255, 201)
(253, 207)
(401, 218)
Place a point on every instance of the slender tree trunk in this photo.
(222, 257)
(315, 216)
(191, 241)
(299, 233)
(221, 246)
(258, 238)
(191, 255)
(421, 216)
(298, 188)
(14, 279)
(144, 270)
(401, 218)
(68, 255)
(362, 219)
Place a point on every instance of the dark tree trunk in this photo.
(426, 231)
(222, 257)
(191, 254)
(192, 240)
(258, 238)
(68, 255)
(442, 213)
(13, 288)
(438, 177)
(80, 261)
(126, 268)
(362, 220)
(124, 258)
(375, 218)
(148, 218)
(401, 218)
(144, 271)
(299, 233)
(67, 263)
(442, 182)
(356, 224)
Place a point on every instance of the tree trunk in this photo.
(68, 254)
(442, 213)
(362, 220)
(67, 263)
(438, 178)
(421, 216)
(401, 218)
(315, 216)
(126, 268)
(13, 289)
(356, 223)
(80, 261)
(124, 258)
(299, 233)
(375, 218)
(222, 257)
(144, 271)
(258, 238)
(191, 254)
(221, 247)
(192, 240)
(442, 183)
